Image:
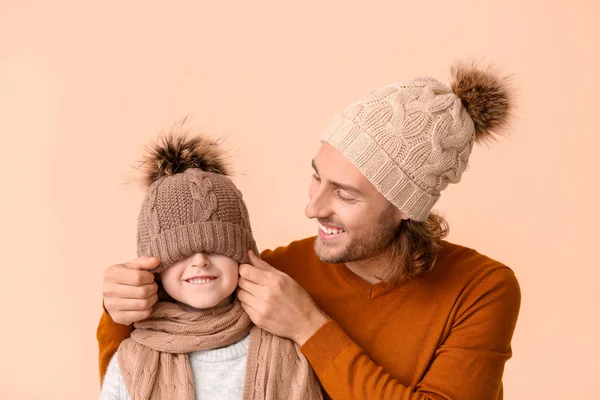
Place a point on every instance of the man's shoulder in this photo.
(468, 266)
(453, 253)
(477, 284)
(302, 247)
(284, 257)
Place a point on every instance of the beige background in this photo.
(83, 87)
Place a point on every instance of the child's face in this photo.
(202, 280)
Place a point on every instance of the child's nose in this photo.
(200, 260)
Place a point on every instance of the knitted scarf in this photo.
(155, 365)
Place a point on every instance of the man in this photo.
(381, 306)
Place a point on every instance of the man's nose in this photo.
(318, 206)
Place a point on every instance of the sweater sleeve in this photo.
(109, 335)
(468, 365)
(113, 387)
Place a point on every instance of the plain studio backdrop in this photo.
(84, 86)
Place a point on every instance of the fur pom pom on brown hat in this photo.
(191, 205)
(412, 139)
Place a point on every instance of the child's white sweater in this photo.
(218, 374)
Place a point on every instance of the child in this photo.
(198, 343)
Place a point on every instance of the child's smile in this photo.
(202, 280)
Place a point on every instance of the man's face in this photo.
(355, 221)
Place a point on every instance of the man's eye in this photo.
(343, 198)
(316, 178)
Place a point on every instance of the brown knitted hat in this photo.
(191, 205)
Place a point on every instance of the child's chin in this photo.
(203, 304)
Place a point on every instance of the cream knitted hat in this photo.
(412, 139)
(191, 206)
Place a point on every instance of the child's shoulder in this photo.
(113, 385)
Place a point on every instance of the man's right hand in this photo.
(129, 290)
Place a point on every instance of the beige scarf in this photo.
(155, 365)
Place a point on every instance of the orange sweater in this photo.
(443, 336)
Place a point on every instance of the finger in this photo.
(253, 274)
(130, 292)
(129, 317)
(250, 311)
(136, 304)
(245, 297)
(122, 275)
(249, 286)
(143, 262)
(257, 262)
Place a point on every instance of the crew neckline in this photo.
(236, 350)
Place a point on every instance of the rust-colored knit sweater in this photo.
(443, 336)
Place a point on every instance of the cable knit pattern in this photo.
(280, 370)
(154, 361)
(191, 212)
(218, 374)
(410, 140)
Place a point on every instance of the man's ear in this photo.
(400, 216)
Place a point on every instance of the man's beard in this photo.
(369, 244)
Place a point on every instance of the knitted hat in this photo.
(191, 206)
(412, 139)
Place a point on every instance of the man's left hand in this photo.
(277, 303)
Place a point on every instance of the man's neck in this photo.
(368, 269)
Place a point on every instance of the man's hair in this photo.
(414, 249)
